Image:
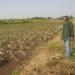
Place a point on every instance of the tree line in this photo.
(28, 20)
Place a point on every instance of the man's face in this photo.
(65, 18)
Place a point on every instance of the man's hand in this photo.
(72, 38)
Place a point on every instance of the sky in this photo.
(36, 8)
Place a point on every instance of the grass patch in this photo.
(15, 72)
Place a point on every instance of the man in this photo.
(67, 35)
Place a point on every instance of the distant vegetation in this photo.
(28, 20)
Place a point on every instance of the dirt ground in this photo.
(43, 61)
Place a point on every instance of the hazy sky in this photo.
(32, 8)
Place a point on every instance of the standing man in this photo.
(67, 35)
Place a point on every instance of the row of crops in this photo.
(22, 39)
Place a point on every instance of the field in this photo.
(33, 47)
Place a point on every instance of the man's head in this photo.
(65, 18)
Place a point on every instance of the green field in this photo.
(21, 39)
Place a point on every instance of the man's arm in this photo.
(72, 30)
